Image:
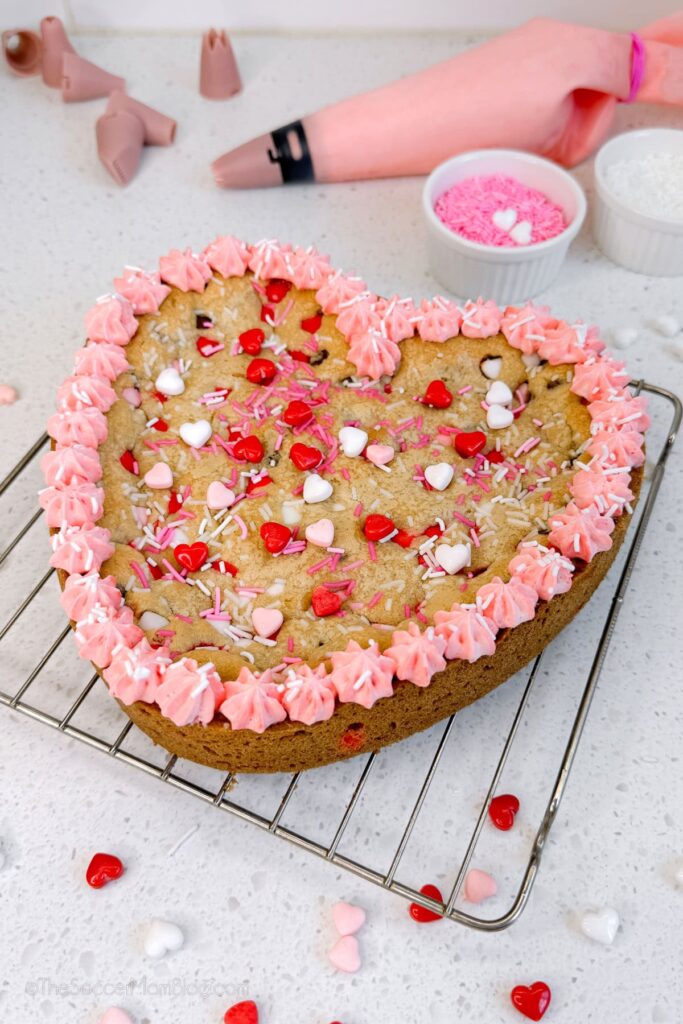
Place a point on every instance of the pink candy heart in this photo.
(345, 954)
(347, 918)
(159, 476)
(219, 496)
(114, 1015)
(478, 886)
(320, 533)
(266, 621)
(379, 454)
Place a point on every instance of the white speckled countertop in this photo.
(255, 910)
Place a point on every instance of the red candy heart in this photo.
(403, 538)
(129, 462)
(376, 527)
(305, 457)
(254, 485)
(275, 537)
(261, 371)
(531, 1000)
(311, 324)
(469, 444)
(242, 1013)
(494, 456)
(252, 340)
(103, 868)
(220, 565)
(191, 556)
(175, 502)
(277, 289)
(267, 314)
(421, 914)
(208, 347)
(297, 413)
(160, 425)
(502, 810)
(249, 449)
(325, 602)
(160, 397)
(437, 395)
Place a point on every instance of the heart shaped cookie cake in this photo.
(294, 521)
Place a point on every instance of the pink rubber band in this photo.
(637, 67)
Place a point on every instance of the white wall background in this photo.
(328, 15)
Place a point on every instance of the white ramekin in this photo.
(638, 241)
(469, 269)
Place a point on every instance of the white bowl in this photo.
(638, 241)
(505, 274)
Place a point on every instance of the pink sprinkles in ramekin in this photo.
(497, 209)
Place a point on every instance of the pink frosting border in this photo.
(465, 631)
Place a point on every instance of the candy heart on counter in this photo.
(600, 925)
(103, 868)
(502, 811)
(115, 1015)
(478, 886)
(422, 914)
(531, 1000)
(347, 918)
(345, 954)
(162, 937)
(242, 1013)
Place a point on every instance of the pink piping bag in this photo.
(547, 87)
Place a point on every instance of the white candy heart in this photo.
(601, 926)
(169, 382)
(439, 475)
(491, 367)
(499, 393)
(505, 219)
(622, 337)
(379, 454)
(352, 440)
(196, 434)
(452, 557)
(316, 489)
(159, 477)
(320, 533)
(498, 417)
(219, 496)
(666, 325)
(152, 620)
(162, 937)
(531, 359)
(267, 621)
(521, 233)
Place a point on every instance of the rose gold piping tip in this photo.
(159, 128)
(120, 140)
(55, 45)
(219, 76)
(82, 80)
(23, 51)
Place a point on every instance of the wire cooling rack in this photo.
(417, 810)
